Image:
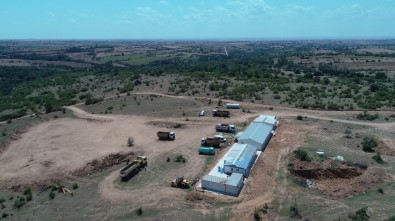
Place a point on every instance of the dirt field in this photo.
(53, 151)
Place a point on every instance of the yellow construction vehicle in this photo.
(180, 182)
(133, 167)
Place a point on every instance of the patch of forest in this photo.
(245, 75)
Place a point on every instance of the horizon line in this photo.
(205, 39)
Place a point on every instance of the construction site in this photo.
(239, 157)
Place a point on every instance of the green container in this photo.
(207, 150)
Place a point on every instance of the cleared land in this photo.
(60, 150)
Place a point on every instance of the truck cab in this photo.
(172, 136)
(142, 159)
(220, 137)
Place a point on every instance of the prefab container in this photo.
(232, 106)
(206, 150)
(231, 185)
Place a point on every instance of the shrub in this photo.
(360, 165)
(368, 144)
(257, 217)
(2, 200)
(360, 215)
(2, 206)
(51, 195)
(18, 203)
(302, 154)
(29, 197)
(27, 191)
(168, 159)
(367, 116)
(130, 142)
(180, 159)
(74, 186)
(139, 211)
(5, 215)
(380, 190)
(265, 208)
(378, 158)
(295, 212)
(299, 117)
(392, 218)
(348, 132)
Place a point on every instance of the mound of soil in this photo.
(98, 165)
(385, 149)
(329, 169)
(321, 173)
(371, 178)
(198, 197)
(170, 125)
(337, 179)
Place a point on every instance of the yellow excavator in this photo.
(180, 182)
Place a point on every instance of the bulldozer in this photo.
(180, 182)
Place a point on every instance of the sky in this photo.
(200, 19)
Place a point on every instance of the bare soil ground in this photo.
(337, 179)
(64, 148)
(288, 137)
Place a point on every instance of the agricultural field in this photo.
(73, 114)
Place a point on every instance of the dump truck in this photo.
(229, 128)
(162, 135)
(232, 106)
(133, 167)
(206, 150)
(211, 142)
(180, 182)
(221, 113)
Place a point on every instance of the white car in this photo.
(201, 113)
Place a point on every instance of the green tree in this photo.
(368, 144)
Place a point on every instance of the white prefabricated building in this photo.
(259, 132)
(231, 185)
(239, 159)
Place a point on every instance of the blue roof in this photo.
(257, 131)
(240, 155)
(265, 119)
(234, 179)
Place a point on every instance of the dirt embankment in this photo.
(98, 165)
(329, 169)
(337, 179)
(386, 147)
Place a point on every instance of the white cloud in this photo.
(147, 13)
(164, 2)
(72, 20)
(298, 9)
(51, 14)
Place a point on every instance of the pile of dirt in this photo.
(328, 173)
(329, 169)
(371, 178)
(98, 165)
(198, 197)
(337, 178)
(385, 148)
(169, 125)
